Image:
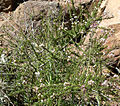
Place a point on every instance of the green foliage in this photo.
(45, 70)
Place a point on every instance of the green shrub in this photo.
(43, 69)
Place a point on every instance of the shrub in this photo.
(43, 68)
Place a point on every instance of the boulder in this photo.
(34, 10)
(111, 12)
(27, 15)
(113, 46)
(111, 22)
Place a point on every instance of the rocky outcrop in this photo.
(111, 12)
(35, 10)
(113, 47)
(9, 5)
(28, 15)
(111, 22)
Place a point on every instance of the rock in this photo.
(111, 21)
(64, 3)
(35, 10)
(112, 11)
(28, 15)
(113, 46)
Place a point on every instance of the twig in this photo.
(7, 97)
